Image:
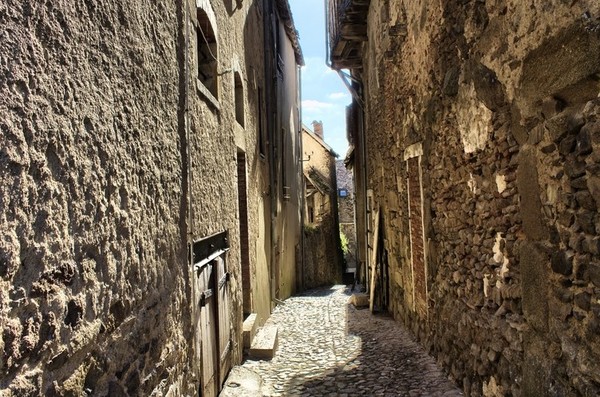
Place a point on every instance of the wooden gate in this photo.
(213, 330)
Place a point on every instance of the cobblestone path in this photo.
(329, 348)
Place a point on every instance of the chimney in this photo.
(318, 128)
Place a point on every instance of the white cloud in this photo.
(311, 105)
(338, 95)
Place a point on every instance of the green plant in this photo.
(309, 229)
(344, 243)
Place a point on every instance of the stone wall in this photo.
(346, 205)
(113, 160)
(93, 231)
(502, 98)
(321, 259)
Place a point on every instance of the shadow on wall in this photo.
(321, 263)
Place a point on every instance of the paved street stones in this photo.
(329, 348)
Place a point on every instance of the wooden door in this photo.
(223, 324)
(213, 326)
(207, 331)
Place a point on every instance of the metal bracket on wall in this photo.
(208, 249)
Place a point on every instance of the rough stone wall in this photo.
(92, 246)
(97, 295)
(321, 263)
(344, 180)
(215, 138)
(502, 96)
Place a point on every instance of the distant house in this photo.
(322, 259)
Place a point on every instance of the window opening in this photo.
(239, 99)
(207, 52)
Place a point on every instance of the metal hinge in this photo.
(204, 296)
(226, 351)
(224, 279)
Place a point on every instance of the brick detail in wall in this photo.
(416, 233)
(243, 218)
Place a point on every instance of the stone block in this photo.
(561, 264)
(360, 300)
(264, 344)
(530, 209)
(584, 142)
(533, 262)
(249, 330)
(594, 274)
(536, 367)
(567, 145)
(551, 106)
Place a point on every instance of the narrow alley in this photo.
(327, 347)
(177, 177)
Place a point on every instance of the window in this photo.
(343, 192)
(207, 52)
(239, 98)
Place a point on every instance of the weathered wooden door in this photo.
(207, 331)
(223, 324)
(213, 325)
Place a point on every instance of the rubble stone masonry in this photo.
(503, 97)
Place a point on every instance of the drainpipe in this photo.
(186, 227)
(303, 190)
(187, 121)
(363, 155)
(271, 136)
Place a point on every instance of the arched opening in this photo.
(207, 52)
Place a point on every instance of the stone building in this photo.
(346, 204)
(150, 190)
(476, 154)
(321, 261)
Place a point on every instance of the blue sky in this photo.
(324, 95)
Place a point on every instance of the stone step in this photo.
(360, 300)
(249, 330)
(264, 344)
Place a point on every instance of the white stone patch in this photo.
(552, 194)
(486, 285)
(501, 183)
(473, 119)
(414, 150)
(472, 183)
(492, 389)
(499, 258)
